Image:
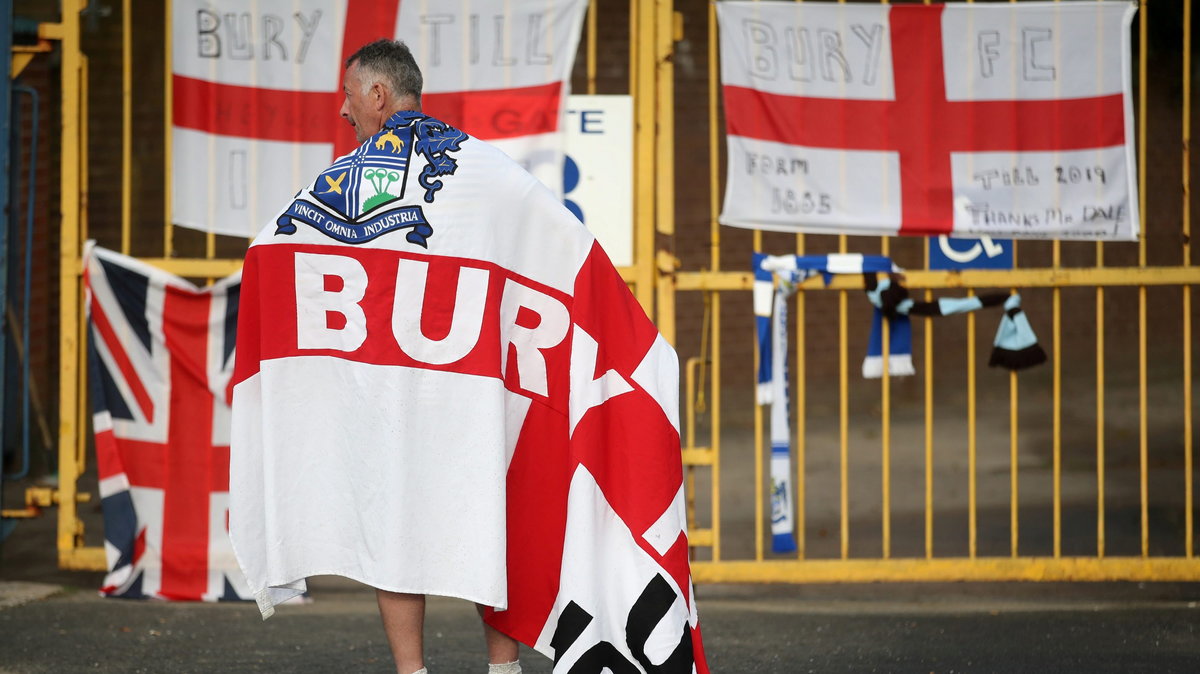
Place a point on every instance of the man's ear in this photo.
(378, 96)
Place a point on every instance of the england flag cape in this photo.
(443, 386)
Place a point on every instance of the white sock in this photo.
(421, 671)
(513, 667)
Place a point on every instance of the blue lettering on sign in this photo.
(983, 253)
(590, 121)
(571, 177)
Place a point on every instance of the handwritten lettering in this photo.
(983, 215)
(1053, 219)
(1037, 53)
(766, 164)
(988, 43)
(232, 35)
(831, 56)
(1029, 176)
(1036, 46)
(1056, 216)
(1109, 212)
(793, 202)
(509, 44)
(1073, 175)
(1015, 177)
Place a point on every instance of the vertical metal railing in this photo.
(758, 445)
(5, 194)
(714, 298)
(1186, 227)
(126, 126)
(71, 553)
(1143, 428)
(168, 135)
(799, 414)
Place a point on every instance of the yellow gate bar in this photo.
(1187, 291)
(70, 529)
(642, 85)
(1014, 480)
(126, 126)
(928, 426)
(196, 268)
(844, 410)
(1165, 569)
(973, 278)
(90, 558)
(800, 415)
(972, 445)
(1143, 447)
(715, 264)
(885, 422)
(1056, 404)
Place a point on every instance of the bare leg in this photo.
(404, 622)
(501, 648)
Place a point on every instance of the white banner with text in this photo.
(256, 90)
(1010, 120)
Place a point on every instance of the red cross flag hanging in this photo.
(256, 89)
(1009, 120)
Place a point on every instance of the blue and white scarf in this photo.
(775, 279)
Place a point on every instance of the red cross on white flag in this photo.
(256, 90)
(1006, 120)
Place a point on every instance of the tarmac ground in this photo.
(747, 628)
(52, 620)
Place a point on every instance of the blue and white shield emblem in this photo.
(353, 200)
(369, 178)
(358, 193)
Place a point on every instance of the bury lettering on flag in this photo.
(160, 357)
(256, 89)
(1002, 120)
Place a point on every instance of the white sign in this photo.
(598, 172)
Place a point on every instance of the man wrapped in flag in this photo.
(443, 386)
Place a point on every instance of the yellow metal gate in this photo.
(1081, 470)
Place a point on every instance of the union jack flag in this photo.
(160, 356)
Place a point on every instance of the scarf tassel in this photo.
(1015, 347)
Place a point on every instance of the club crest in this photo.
(354, 200)
(369, 178)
